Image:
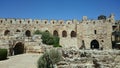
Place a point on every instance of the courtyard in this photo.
(27, 60)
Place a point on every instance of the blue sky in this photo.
(58, 9)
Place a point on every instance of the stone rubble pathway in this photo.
(27, 60)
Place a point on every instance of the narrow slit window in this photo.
(95, 32)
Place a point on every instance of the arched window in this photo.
(20, 21)
(17, 30)
(55, 33)
(11, 21)
(64, 34)
(7, 32)
(36, 22)
(45, 22)
(73, 34)
(53, 22)
(28, 22)
(94, 22)
(60, 22)
(28, 33)
(68, 22)
(1, 21)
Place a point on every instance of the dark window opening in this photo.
(17, 30)
(28, 33)
(64, 34)
(45, 22)
(7, 32)
(11, 21)
(28, 22)
(60, 22)
(95, 32)
(37, 22)
(109, 20)
(102, 40)
(53, 22)
(73, 34)
(20, 22)
(68, 22)
(55, 33)
(1, 21)
(94, 22)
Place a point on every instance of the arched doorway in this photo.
(55, 33)
(94, 44)
(7, 32)
(28, 33)
(19, 48)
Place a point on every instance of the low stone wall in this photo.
(73, 58)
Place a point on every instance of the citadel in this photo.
(90, 34)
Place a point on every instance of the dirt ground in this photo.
(21, 61)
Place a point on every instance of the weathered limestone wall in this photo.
(95, 30)
(86, 30)
(67, 43)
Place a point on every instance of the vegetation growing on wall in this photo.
(37, 32)
(48, 38)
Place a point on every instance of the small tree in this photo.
(49, 39)
(46, 37)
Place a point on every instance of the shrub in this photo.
(49, 58)
(3, 54)
(57, 45)
(48, 39)
(55, 56)
(37, 32)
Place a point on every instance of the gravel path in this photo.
(21, 61)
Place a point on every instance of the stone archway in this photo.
(94, 44)
(28, 33)
(19, 48)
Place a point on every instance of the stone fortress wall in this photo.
(73, 33)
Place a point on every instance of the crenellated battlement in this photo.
(37, 21)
